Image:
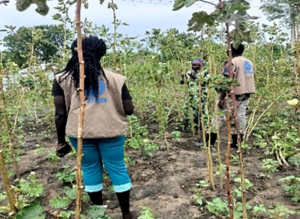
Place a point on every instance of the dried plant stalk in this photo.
(8, 129)
(8, 188)
(234, 103)
(81, 113)
(209, 163)
(227, 180)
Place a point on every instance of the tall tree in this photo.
(45, 41)
(288, 12)
(283, 10)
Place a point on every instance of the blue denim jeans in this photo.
(111, 152)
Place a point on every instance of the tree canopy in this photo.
(284, 10)
(47, 42)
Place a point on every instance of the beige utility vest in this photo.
(244, 70)
(104, 117)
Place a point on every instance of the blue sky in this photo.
(141, 15)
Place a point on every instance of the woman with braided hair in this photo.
(107, 103)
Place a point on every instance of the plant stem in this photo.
(217, 6)
(65, 34)
(8, 188)
(227, 181)
(9, 131)
(210, 167)
(297, 55)
(81, 113)
(218, 143)
(115, 34)
(234, 103)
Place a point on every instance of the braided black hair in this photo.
(93, 50)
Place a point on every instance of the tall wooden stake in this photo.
(8, 188)
(114, 7)
(297, 42)
(227, 179)
(81, 113)
(237, 127)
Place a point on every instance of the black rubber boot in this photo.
(123, 199)
(213, 138)
(96, 197)
(234, 143)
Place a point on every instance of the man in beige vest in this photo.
(243, 70)
(107, 103)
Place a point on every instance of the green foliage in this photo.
(66, 214)
(229, 12)
(53, 157)
(71, 193)
(67, 176)
(280, 212)
(238, 210)
(199, 19)
(283, 138)
(59, 202)
(96, 212)
(269, 166)
(284, 10)
(217, 207)
(139, 137)
(295, 160)
(42, 7)
(47, 41)
(28, 190)
(34, 210)
(176, 135)
(146, 213)
(172, 44)
(292, 187)
(259, 209)
(153, 67)
(248, 185)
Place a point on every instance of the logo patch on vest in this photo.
(92, 99)
(248, 68)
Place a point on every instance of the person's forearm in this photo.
(61, 122)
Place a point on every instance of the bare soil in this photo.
(166, 182)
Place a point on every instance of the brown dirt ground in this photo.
(166, 182)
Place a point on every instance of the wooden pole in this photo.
(81, 112)
(227, 179)
(234, 103)
(8, 188)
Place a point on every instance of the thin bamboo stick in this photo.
(227, 180)
(8, 188)
(81, 113)
(234, 103)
